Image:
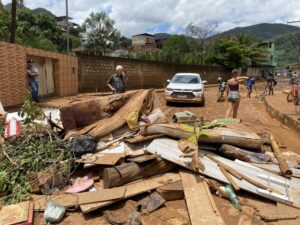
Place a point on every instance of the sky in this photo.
(172, 16)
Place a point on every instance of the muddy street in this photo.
(252, 112)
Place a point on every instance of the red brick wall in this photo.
(13, 78)
(95, 70)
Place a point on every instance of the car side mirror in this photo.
(204, 81)
(168, 81)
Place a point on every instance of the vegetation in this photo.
(36, 150)
(37, 29)
(238, 51)
(287, 48)
(263, 31)
(100, 34)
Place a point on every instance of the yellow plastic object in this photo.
(132, 119)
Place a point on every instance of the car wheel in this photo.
(202, 103)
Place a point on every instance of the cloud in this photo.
(133, 17)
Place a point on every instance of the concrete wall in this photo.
(95, 70)
(13, 77)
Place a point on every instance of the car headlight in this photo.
(197, 90)
(169, 89)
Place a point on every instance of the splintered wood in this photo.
(201, 206)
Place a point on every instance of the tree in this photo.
(13, 25)
(201, 32)
(237, 51)
(4, 24)
(100, 34)
(177, 43)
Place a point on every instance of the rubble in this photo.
(120, 155)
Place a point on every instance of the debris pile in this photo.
(132, 164)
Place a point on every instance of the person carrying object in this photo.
(118, 82)
(33, 74)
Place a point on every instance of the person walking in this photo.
(271, 83)
(33, 74)
(118, 82)
(250, 84)
(233, 94)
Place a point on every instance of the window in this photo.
(185, 79)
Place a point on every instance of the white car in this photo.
(185, 87)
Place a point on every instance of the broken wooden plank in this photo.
(140, 138)
(201, 207)
(171, 192)
(246, 217)
(135, 189)
(143, 158)
(109, 159)
(69, 200)
(229, 178)
(286, 171)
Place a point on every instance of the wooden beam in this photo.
(135, 189)
(69, 200)
(201, 207)
(286, 171)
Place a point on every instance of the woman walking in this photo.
(233, 94)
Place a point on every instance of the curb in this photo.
(282, 117)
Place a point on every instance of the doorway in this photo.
(46, 76)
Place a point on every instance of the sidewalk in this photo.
(286, 113)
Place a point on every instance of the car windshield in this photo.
(185, 79)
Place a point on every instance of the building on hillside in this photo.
(62, 23)
(262, 68)
(143, 42)
(160, 38)
(271, 63)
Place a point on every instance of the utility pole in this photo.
(298, 62)
(68, 35)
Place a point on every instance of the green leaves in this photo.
(234, 52)
(34, 152)
(100, 34)
(29, 110)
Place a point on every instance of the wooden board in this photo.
(109, 159)
(201, 207)
(15, 213)
(143, 158)
(69, 200)
(168, 149)
(135, 189)
(140, 138)
(246, 217)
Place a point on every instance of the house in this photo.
(160, 38)
(143, 42)
(62, 22)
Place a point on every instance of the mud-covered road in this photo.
(252, 112)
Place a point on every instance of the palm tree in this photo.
(13, 24)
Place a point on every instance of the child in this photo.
(250, 84)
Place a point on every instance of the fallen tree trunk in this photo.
(286, 171)
(247, 156)
(219, 135)
(128, 172)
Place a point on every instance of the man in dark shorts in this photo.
(118, 82)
